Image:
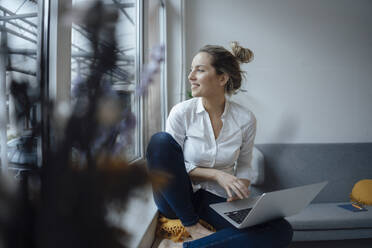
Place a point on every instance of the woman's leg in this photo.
(202, 200)
(276, 233)
(174, 200)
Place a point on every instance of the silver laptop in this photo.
(277, 204)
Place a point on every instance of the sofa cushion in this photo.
(329, 216)
(291, 165)
(362, 192)
(316, 235)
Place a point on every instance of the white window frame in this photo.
(41, 55)
(60, 82)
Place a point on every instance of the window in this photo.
(125, 76)
(20, 32)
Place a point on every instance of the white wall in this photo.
(311, 80)
(175, 51)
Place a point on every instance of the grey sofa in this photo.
(322, 223)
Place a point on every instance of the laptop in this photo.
(268, 206)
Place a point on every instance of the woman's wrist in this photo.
(202, 174)
(216, 174)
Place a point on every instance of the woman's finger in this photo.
(243, 188)
(236, 190)
(234, 198)
(228, 192)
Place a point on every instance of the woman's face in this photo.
(203, 77)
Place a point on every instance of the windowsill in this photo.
(137, 218)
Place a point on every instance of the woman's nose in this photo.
(191, 75)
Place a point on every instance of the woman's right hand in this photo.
(233, 186)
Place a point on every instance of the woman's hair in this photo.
(228, 62)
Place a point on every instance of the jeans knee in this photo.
(163, 148)
(160, 138)
(161, 141)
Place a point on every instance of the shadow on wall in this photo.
(287, 128)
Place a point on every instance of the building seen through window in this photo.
(19, 23)
(20, 32)
(124, 77)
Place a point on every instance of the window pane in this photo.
(124, 76)
(19, 24)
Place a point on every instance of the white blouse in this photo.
(189, 124)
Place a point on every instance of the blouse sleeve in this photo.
(243, 165)
(176, 127)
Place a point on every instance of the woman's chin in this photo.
(194, 93)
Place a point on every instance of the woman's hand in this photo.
(236, 188)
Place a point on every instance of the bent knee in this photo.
(162, 148)
(163, 141)
(160, 138)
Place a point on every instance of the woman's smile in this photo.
(203, 78)
(194, 85)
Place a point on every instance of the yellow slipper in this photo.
(174, 230)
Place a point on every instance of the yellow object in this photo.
(362, 192)
(356, 206)
(174, 230)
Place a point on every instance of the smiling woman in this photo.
(228, 63)
(203, 78)
(207, 149)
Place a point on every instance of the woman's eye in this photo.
(198, 70)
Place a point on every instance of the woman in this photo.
(204, 138)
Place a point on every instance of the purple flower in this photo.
(149, 71)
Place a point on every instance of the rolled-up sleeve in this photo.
(243, 166)
(189, 166)
(176, 126)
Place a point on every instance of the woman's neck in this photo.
(214, 106)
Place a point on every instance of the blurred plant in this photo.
(189, 95)
(64, 203)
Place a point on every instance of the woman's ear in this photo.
(223, 79)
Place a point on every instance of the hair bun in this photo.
(243, 55)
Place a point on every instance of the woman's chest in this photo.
(203, 148)
(216, 125)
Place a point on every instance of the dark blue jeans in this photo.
(177, 200)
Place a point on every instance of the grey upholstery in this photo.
(289, 165)
(342, 165)
(338, 234)
(327, 216)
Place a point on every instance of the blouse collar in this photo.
(200, 108)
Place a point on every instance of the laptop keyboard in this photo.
(239, 215)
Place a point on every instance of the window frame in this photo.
(41, 40)
(50, 80)
(54, 90)
(139, 65)
(43, 147)
(49, 77)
